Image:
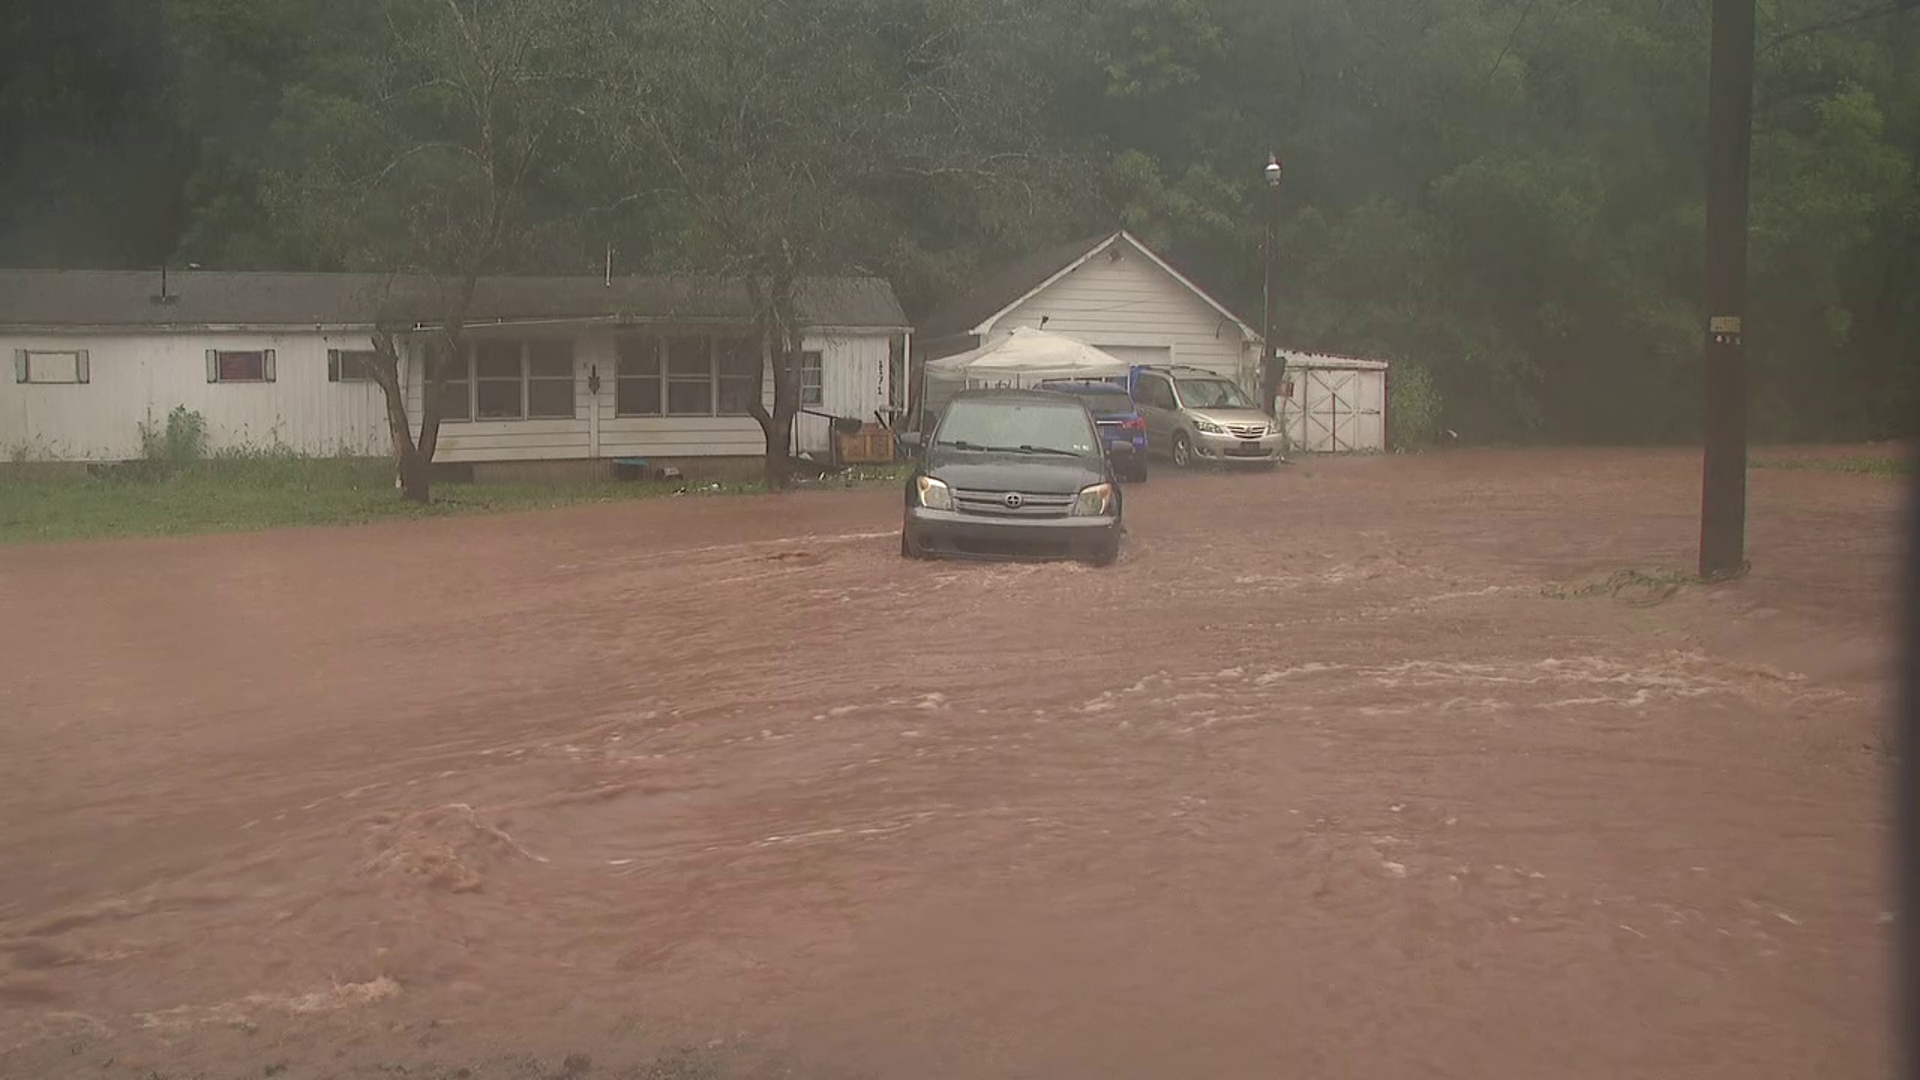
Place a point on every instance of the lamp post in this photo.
(1273, 366)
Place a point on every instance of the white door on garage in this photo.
(1138, 354)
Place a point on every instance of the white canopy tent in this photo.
(1025, 357)
(1022, 359)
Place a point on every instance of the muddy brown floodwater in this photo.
(1347, 770)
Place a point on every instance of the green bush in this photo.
(182, 441)
(1414, 407)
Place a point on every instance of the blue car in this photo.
(1121, 426)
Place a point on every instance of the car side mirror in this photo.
(909, 442)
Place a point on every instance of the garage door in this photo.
(1138, 354)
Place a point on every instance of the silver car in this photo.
(1194, 415)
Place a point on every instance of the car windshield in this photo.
(1102, 398)
(1017, 426)
(1213, 394)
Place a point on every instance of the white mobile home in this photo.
(557, 369)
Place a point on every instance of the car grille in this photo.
(994, 504)
(1248, 431)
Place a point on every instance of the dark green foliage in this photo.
(1415, 409)
(1506, 193)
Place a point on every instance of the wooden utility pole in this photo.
(1906, 837)
(1723, 496)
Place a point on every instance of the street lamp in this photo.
(1273, 366)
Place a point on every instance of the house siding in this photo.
(141, 377)
(1128, 300)
(854, 383)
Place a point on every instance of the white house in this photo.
(1111, 292)
(1116, 294)
(557, 369)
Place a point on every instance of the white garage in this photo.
(1114, 293)
(1334, 404)
(1108, 291)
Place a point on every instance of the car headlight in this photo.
(934, 494)
(1208, 427)
(1095, 501)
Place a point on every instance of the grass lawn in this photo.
(1871, 465)
(268, 492)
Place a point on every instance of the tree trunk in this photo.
(780, 350)
(778, 424)
(778, 473)
(432, 380)
(416, 477)
(411, 466)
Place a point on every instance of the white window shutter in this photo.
(213, 365)
(267, 365)
(82, 367)
(333, 365)
(19, 365)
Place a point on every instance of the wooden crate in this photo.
(871, 445)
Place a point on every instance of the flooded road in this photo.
(1373, 768)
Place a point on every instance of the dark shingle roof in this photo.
(1000, 287)
(126, 298)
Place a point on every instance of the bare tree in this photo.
(431, 166)
(791, 137)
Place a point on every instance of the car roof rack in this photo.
(1179, 369)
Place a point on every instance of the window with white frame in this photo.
(51, 366)
(510, 379)
(550, 379)
(689, 376)
(455, 395)
(351, 365)
(637, 390)
(686, 375)
(499, 386)
(737, 373)
(240, 365)
(813, 381)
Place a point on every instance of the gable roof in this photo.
(110, 298)
(1011, 285)
(1005, 286)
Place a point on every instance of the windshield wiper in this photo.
(1023, 448)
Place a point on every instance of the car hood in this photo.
(1038, 475)
(1236, 417)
